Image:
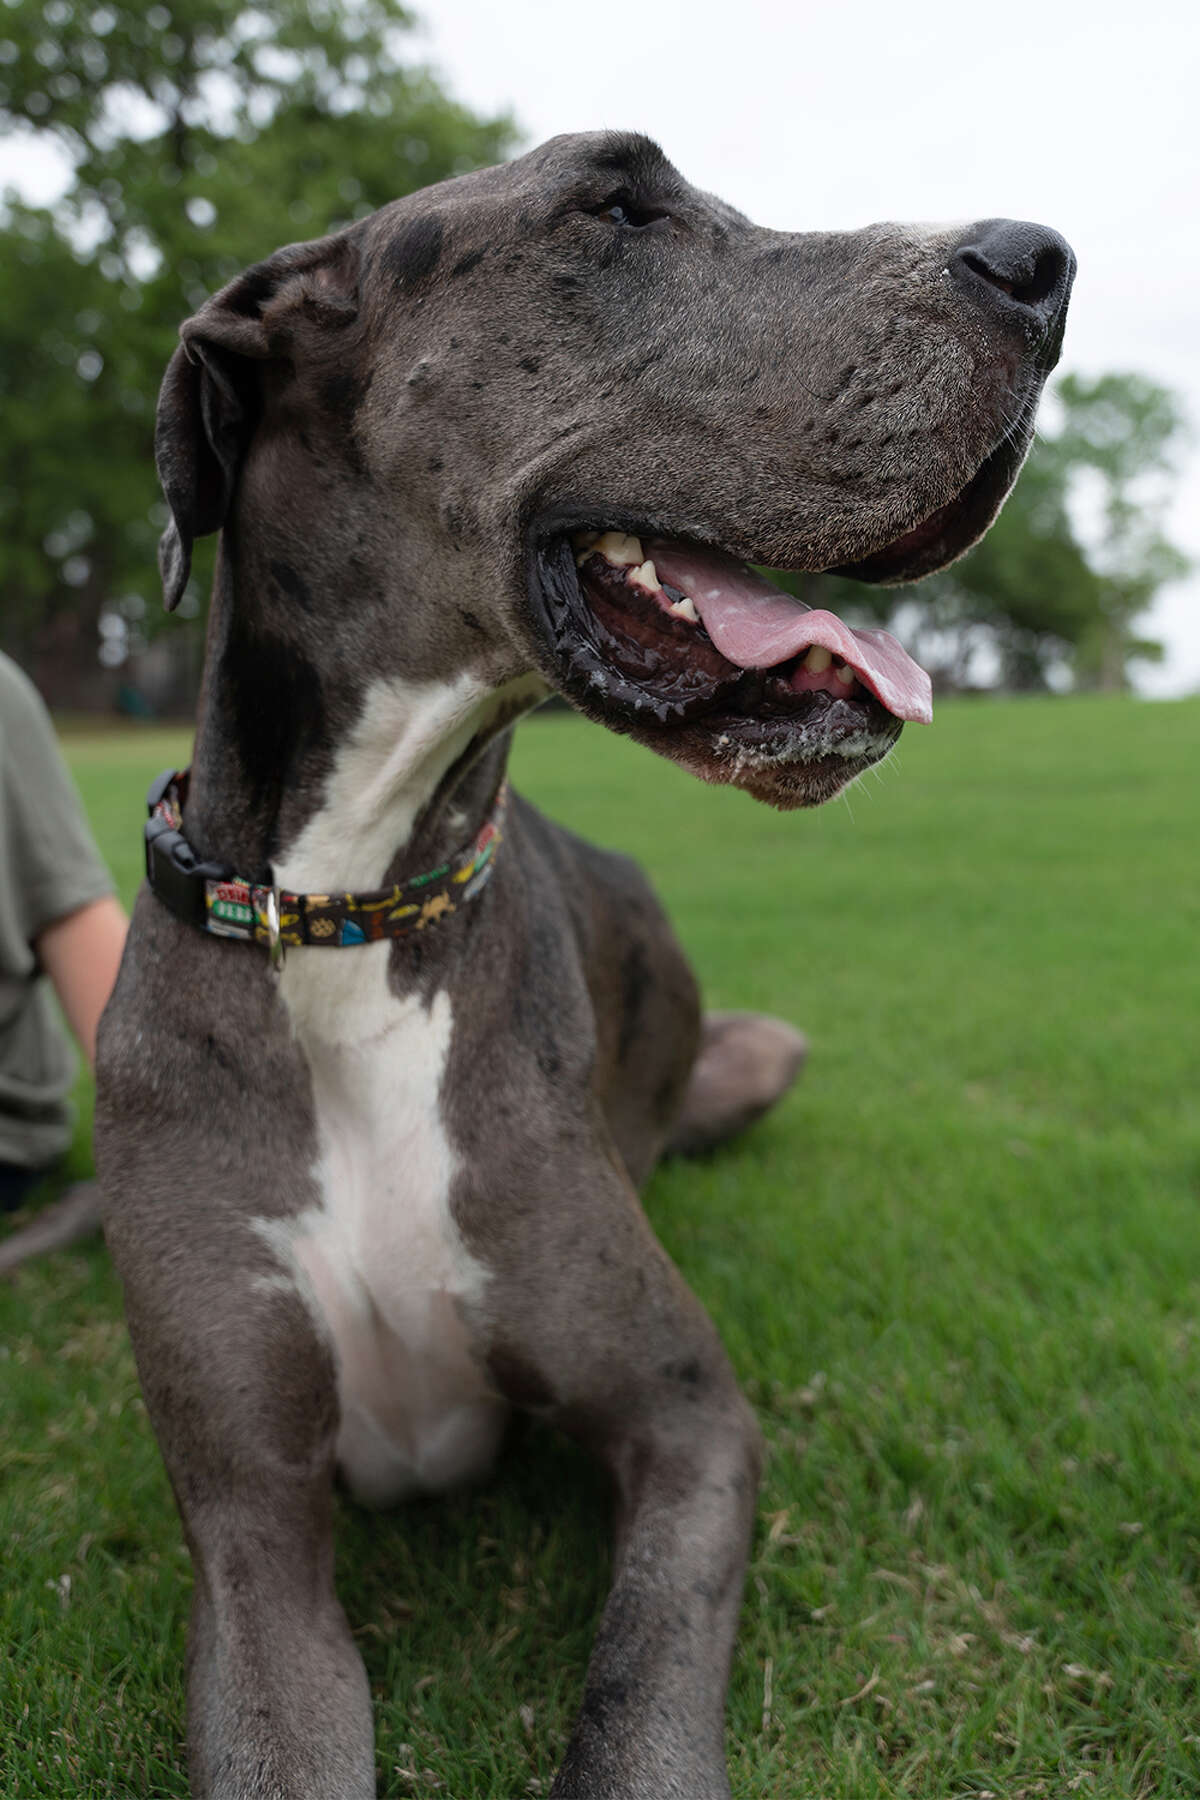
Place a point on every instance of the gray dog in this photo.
(524, 431)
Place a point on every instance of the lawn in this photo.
(958, 1272)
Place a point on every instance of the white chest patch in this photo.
(380, 1257)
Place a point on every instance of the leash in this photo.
(211, 897)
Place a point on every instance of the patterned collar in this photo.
(209, 895)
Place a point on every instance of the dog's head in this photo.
(543, 417)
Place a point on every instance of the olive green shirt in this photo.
(49, 867)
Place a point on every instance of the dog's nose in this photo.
(1021, 272)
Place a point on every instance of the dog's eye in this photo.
(619, 209)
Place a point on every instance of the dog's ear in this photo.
(209, 402)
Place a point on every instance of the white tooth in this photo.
(584, 540)
(684, 609)
(844, 673)
(818, 659)
(625, 552)
(647, 576)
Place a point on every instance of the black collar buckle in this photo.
(172, 868)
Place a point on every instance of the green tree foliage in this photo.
(1122, 432)
(201, 135)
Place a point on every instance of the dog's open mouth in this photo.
(700, 657)
(693, 651)
(667, 633)
(684, 614)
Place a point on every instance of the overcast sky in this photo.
(824, 116)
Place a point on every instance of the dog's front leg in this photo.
(240, 1388)
(600, 1329)
(652, 1720)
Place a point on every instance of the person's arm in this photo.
(58, 891)
(81, 953)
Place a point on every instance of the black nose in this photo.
(1022, 273)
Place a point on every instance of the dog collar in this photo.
(210, 896)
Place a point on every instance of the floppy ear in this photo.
(209, 402)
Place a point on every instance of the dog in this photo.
(390, 1055)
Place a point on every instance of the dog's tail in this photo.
(65, 1221)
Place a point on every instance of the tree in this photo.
(200, 135)
(1120, 434)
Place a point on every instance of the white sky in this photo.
(816, 115)
(825, 116)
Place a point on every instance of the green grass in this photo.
(958, 1272)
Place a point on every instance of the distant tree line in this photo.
(201, 134)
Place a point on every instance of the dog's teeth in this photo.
(584, 540)
(844, 673)
(684, 609)
(818, 659)
(646, 575)
(616, 548)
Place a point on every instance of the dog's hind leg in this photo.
(746, 1061)
(670, 1079)
(241, 1390)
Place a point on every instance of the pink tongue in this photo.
(757, 626)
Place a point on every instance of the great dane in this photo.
(371, 1140)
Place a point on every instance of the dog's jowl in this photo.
(390, 1055)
